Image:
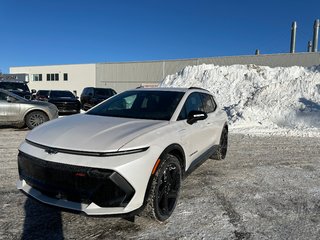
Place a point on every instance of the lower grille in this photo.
(106, 188)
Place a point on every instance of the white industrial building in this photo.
(59, 77)
(127, 75)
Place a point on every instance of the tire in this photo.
(35, 118)
(165, 189)
(221, 152)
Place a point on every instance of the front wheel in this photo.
(165, 189)
(35, 118)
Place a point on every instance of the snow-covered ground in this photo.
(260, 100)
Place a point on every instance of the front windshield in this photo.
(61, 94)
(14, 86)
(151, 104)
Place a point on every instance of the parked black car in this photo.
(65, 101)
(17, 87)
(91, 96)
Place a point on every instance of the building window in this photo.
(65, 76)
(53, 77)
(37, 77)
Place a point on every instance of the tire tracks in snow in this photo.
(234, 217)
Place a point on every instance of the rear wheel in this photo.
(222, 147)
(165, 189)
(35, 118)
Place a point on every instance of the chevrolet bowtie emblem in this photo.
(51, 151)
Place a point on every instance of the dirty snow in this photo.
(260, 100)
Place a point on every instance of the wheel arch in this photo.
(177, 151)
(34, 110)
(226, 126)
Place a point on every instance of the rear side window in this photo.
(208, 103)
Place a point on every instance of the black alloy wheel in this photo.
(165, 189)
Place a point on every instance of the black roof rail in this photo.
(198, 88)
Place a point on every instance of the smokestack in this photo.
(293, 37)
(309, 49)
(315, 35)
(257, 52)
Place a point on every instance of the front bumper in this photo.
(84, 183)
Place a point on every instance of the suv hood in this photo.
(83, 132)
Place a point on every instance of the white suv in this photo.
(127, 154)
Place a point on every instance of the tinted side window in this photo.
(193, 103)
(208, 103)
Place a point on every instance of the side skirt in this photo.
(200, 160)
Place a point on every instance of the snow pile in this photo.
(259, 99)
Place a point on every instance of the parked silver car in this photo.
(18, 111)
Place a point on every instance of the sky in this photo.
(38, 32)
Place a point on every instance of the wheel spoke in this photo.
(165, 204)
(173, 194)
(36, 120)
(161, 193)
(169, 177)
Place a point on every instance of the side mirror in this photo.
(10, 99)
(195, 116)
(33, 91)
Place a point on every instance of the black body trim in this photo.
(201, 159)
(53, 150)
